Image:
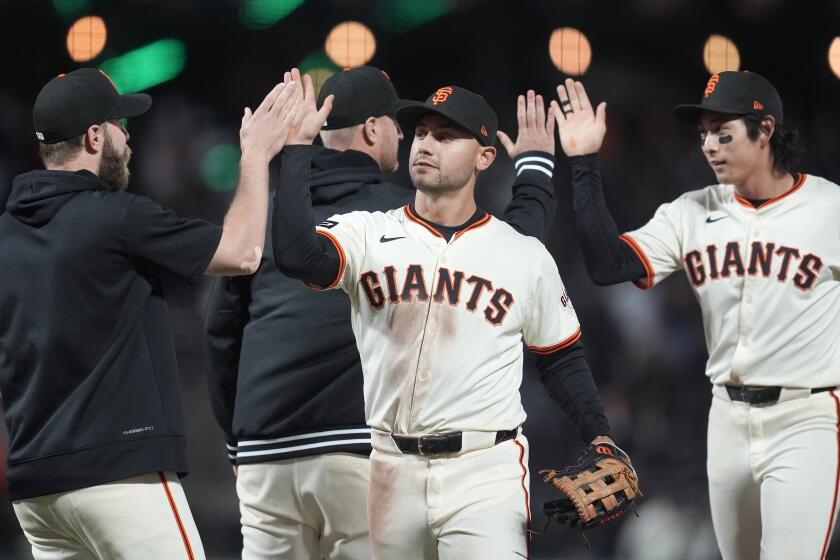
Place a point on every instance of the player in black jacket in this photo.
(284, 372)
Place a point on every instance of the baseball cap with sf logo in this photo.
(466, 109)
(735, 93)
(72, 102)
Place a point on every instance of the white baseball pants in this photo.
(137, 518)
(773, 475)
(305, 508)
(470, 505)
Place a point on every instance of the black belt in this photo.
(440, 443)
(761, 395)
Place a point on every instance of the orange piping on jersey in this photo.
(800, 180)
(546, 350)
(342, 260)
(475, 225)
(527, 500)
(174, 508)
(648, 283)
(836, 479)
(410, 215)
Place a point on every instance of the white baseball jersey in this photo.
(767, 279)
(440, 325)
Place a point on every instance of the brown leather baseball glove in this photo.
(597, 489)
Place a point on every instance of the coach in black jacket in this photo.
(88, 373)
(284, 372)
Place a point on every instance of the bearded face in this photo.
(113, 168)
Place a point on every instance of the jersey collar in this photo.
(800, 180)
(479, 219)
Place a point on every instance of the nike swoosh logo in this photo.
(384, 239)
(709, 219)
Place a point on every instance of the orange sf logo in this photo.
(484, 131)
(710, 87)
(441, 95)
(757, 106)
(603, 450)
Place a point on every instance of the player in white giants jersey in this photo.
(761, 251)
(443, 296)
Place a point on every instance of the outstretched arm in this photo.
(298, 251)
(531, 210)
(609, 259)
(262, 136)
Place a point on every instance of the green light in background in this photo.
(69, 9)
(318, 65)
(402, 15)
(220, 167)
(147, 66)
(261, 14)
(317, 59)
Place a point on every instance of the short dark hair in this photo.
(58, 153)
(784, 145)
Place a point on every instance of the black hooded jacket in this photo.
(285, 377)
(88, 373)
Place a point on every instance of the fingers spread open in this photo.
(507, 144)
(530, 109)
(573, 95)
(295, 75)
(286, 97)
(269, 100)
(326, 108)
(521, 120)
(584, 99)
(540, 116)
(308, 88)
(559, 116)
(549, 122)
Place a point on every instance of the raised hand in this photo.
(580, 128)
(309, 119)
(264, 132)
(536, 130)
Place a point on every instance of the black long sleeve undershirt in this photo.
(608, 259)
(298, 251)
(566, 376)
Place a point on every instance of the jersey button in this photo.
(749, 299)
(423, 375)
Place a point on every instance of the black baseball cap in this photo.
(467, 109)
(70, 103)
(359, 93)
(735, 93)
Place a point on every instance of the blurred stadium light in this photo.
(570, 51)
(86, 38)
(720, 54)
(147, 66)
(69, 9)
(350, 44)
(834, 56)
(403, 15)
(261, 14)
(220, 167)
(319, 66)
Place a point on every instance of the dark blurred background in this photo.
(204, 60)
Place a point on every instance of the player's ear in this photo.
(766, 130)
(369, 132)
(95, 138)
(486, 157)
